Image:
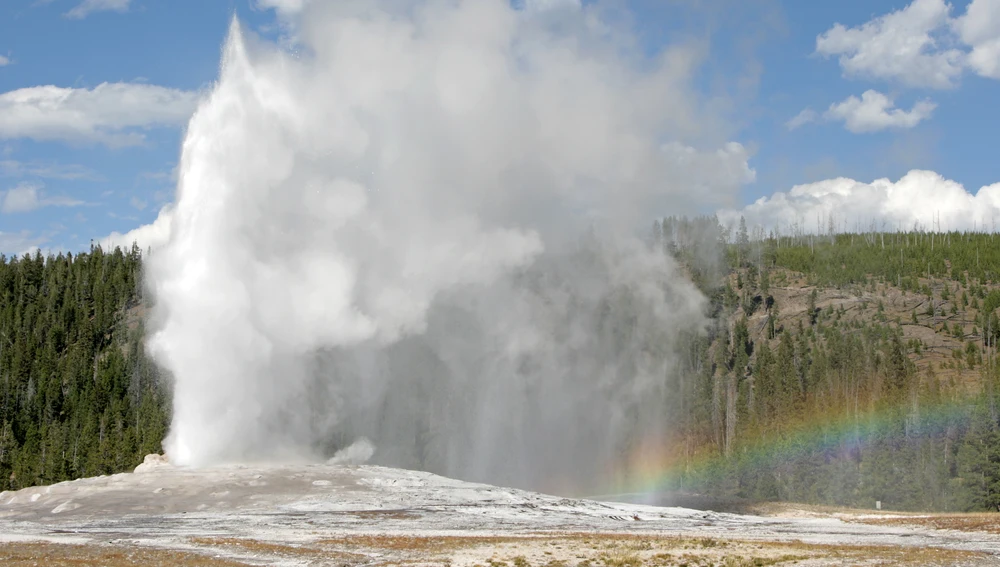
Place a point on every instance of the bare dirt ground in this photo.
(341, 516)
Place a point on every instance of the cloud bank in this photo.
(26, 197)
(918, 200)
(113, 114)
(412, 234)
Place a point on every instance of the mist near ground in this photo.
(417, 223)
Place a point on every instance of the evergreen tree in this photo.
(65, 408)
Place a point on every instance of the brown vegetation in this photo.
(62, 555)
(989, 522)
(529, 550)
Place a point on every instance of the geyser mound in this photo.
(418, 228)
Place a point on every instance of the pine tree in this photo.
(742, 243)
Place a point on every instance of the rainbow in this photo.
(656, 466)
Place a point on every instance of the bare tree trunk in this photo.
(731, 395)
(717, 411)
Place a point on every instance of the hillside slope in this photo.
(846, 370)
(78, 396)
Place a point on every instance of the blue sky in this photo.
(81, 161)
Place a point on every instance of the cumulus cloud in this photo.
(27, 197)
(875, 111)
(899, 46)
(920, 45)
(4, 61)
(113, 114)
(915, 200)
(872, 112)
(980, 29)
(87, 7)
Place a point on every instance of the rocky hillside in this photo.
(845, 370)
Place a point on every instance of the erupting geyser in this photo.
(418, 227)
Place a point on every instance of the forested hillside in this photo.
(846, 369)
(78, 397)
(838, 369)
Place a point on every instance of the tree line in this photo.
(78, 396)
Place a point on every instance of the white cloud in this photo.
(872, 112)
(875, 111)
(920, 45)
(980, 29)
(543, 5)
(45, 170)
(22, 198)
(4, 61)
(899, 46)
(110, 113)
(27, 197)
(806, 116)
(282, 7)
(293, 7)
(915, 200)
(19, 242)
(88, 7)
(985, 59)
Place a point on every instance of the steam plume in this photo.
(420, 231)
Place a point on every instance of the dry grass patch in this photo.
(252, 545)
(985, 522)
(277, 549)
(615, 550)
(78, 555)
(420, 543)
(531, 550)
(630, 550)
(913, 555)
